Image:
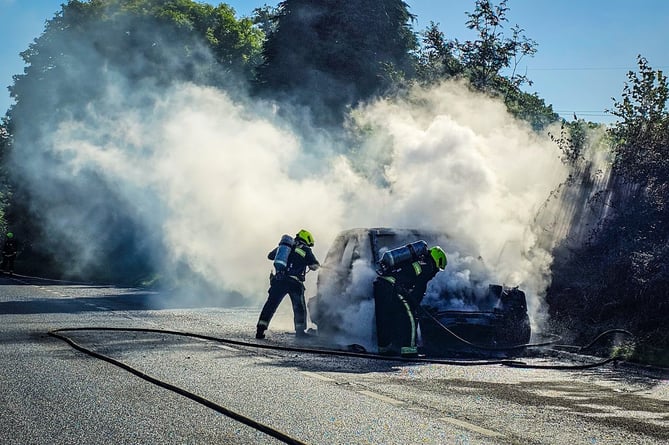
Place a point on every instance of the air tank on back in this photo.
(282, 252)
(410, 252)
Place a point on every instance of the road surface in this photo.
(53, 393)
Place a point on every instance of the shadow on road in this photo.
(73, 297)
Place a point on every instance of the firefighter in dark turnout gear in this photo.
(397, 294)
(290, 281)
(9, 251)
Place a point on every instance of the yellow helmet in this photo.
(439, 257)
(306, 236)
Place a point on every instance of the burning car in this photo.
(459, 312)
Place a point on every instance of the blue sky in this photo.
(585, 47)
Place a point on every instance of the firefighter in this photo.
(397, 293)
(290, 280)
(9, 250)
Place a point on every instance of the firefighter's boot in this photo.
(389, 351)
(409, 352)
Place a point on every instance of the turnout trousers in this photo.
(8, 263)
(396, 323)
(277, 291)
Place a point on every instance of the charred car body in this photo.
(456, 307)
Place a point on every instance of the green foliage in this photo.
(328, 55)
(4, 136)
(266, 18)
(103, 49)
(164, 40)
(436, 58)
(525, 106)
(620, 278)
(642, 135)
(573, 139)
(485, 60)
(641, 148)
(486, 57)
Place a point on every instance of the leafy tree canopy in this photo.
(165, 40)
(620, 277)
(331, 54)
(486, 57)
(102, 49)
(486, 61)
(642, 135)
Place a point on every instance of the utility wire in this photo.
(611, 68)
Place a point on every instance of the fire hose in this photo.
(59, 334)
(519, 364)
(283, 437)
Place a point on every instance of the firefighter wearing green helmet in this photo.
(289, 279)
(398, 292)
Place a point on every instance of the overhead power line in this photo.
(594, 68)
(573, 110)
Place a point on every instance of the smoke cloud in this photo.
(215, 180)
(459, 163)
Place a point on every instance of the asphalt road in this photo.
(51, 393)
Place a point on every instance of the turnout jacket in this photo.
(411, 278)
(299, 259)
(10, 247)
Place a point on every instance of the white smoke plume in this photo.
(219, 180)
(458, 162)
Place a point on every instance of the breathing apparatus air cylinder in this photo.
(399, 255)
(282, 252)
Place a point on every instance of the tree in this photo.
(483, 62)
(86, 49)
(328, 55)
(485, 58)
(436, 57)
(641, 149)
(620, 278)
(642, 135)
(526, 106)
(265, 18)
(166, 41)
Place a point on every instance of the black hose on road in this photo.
(519, 364)
(57, 333)
(201, 400)
(333, 352)
(371, 356)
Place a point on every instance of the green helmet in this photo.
(439, 257)
(10, 235)
(305, 236)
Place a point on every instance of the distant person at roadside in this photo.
(9, 250)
